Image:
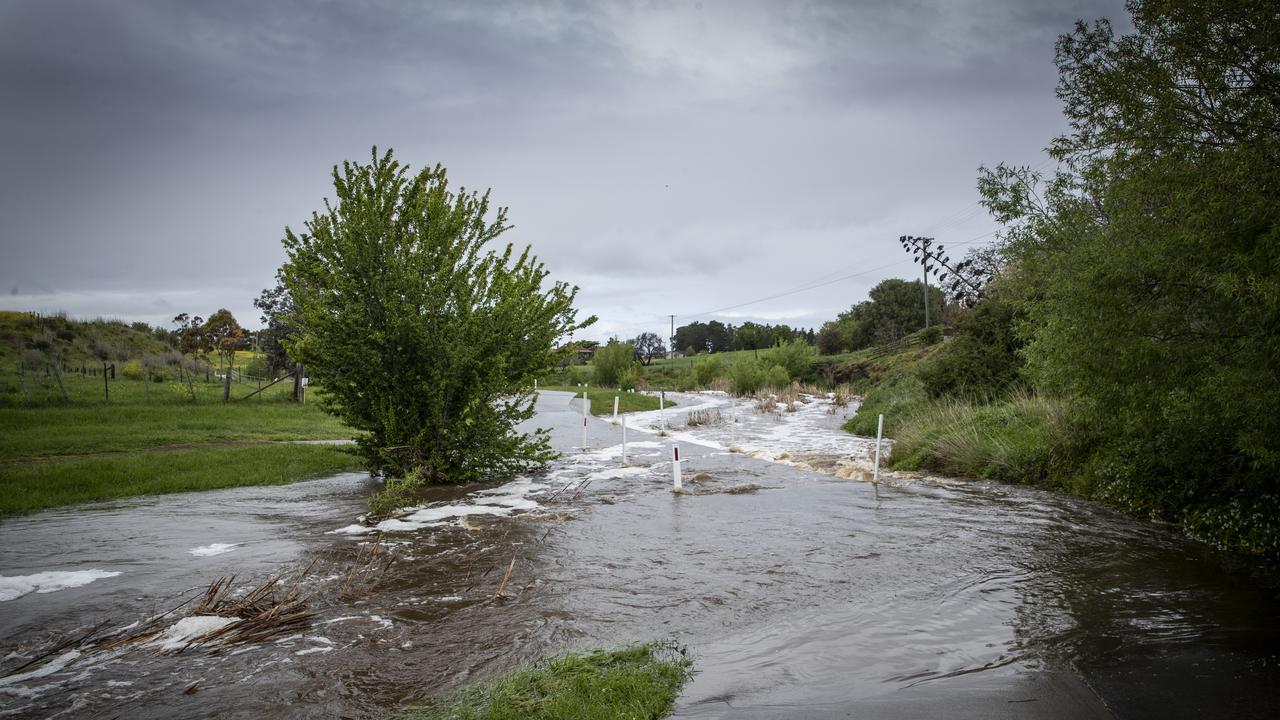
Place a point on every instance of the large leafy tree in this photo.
(421, 338)
(1149, 267)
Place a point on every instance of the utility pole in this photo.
(672, 354)
(924, 243)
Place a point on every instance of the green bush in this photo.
(746, 377)
(612, 361)
(982, 360)
(629, 379)
(707, 371)
(777, 377)
(794, 357)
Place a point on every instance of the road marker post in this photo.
(875, 473)
(615, 408)
(586, 408)
(662, 417)
(624, 440)
(675, 467)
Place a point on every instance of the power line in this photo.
(797, 290)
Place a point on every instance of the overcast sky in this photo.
(666, 157)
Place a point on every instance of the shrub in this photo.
(982, 361)
(746, 377)
(777, 377)
(629, 379)
(794, 357)
(612, 361)
(707, 371)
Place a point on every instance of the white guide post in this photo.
(624, 440)
(615, 408)
(733, 423)
(675, 467)
(586, 407)
(875, 473)
(535, 384)
(662, 418)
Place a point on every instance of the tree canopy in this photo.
(1147, 269)
(421, 338)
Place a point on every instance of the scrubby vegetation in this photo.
(641, 681)
(1125, 349)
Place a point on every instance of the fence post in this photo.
(106, 391)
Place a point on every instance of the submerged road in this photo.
(800, 593)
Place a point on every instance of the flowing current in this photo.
(800, 589)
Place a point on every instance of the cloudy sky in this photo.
(667, 157)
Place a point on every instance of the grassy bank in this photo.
(53, 430)
(1019, 437)
(640, 681)
(602, 399)
(39, 485)
(57, 453)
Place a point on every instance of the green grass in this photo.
(602, 400)
(641, 681)
(31, 486)
(27, 433)
(42, 389)
(56, 453)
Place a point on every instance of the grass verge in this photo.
(40, 432)
(640, 681)
(602, 399)
(32, 486)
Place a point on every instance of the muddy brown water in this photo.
(807, 595)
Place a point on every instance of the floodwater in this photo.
(799, 591)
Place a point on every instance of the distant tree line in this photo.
(715, 336)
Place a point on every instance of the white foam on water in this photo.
(320, 649)
(13, 587)
(189, 628)
(503, 500)
(616, 473)
(48, 668)
(213, 549)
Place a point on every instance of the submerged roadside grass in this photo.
(639, 681)
(32, 486)
(57, 454)
(602, 399)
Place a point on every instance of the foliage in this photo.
(612, 361)
(640, 681)
(894, 309)
(982, 360)
(649, 347)
(708, 371)
(278, 324)
(794, 357)
(225, 335)
(423, 341)
(1148, 267)
(747, 377)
